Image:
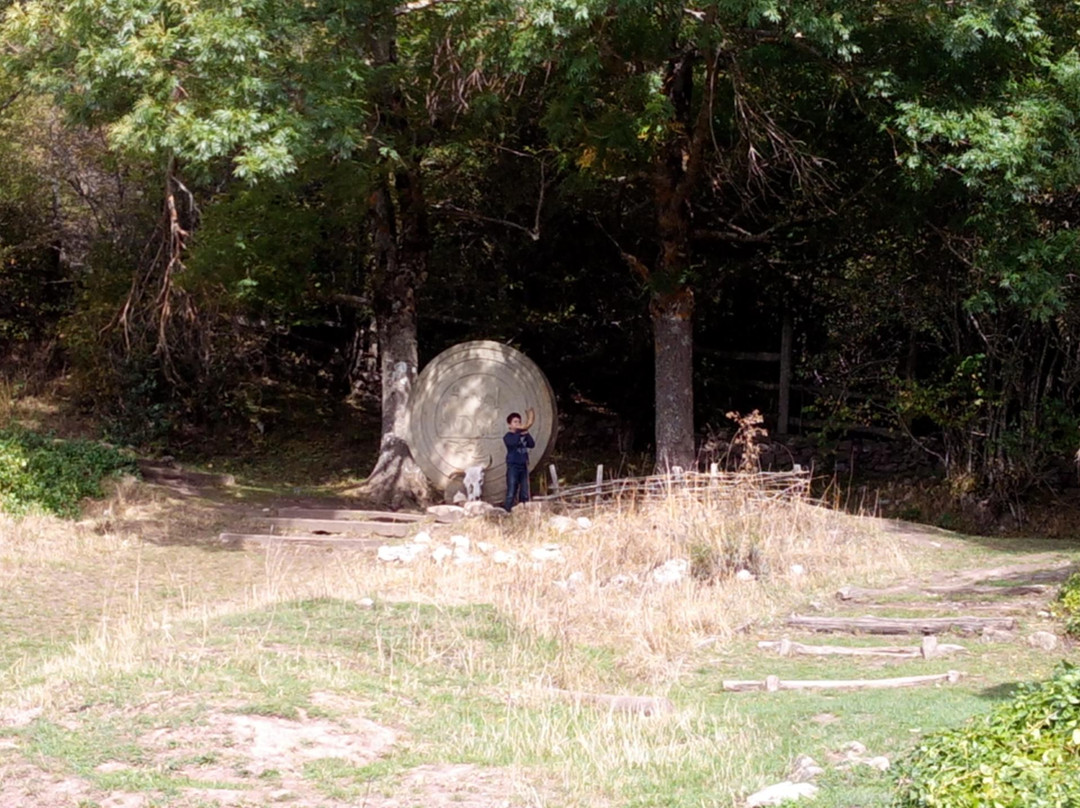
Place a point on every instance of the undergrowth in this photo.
(1023, 754)
(1067, 605)
(40, 472)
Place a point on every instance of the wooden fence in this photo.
(714, 486)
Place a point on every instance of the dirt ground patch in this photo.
(232, 760)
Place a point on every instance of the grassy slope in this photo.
(129, 622)
(135, 654)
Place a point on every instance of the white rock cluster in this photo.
(799, 784)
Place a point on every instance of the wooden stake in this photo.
(554, 479)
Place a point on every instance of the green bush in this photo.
(1067, 605)
(1025, 753)
(52, 475)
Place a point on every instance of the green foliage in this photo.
(1023, 754)
(38, 472)
(1067, 605)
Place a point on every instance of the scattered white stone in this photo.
(798, 569)
(853, 749)
(879, 762)
(503, 557)
(1044, 640)
(571, 583)
(561, 524)
(781, 793)
(671, 572)
(806, 769)
(462, 551)
(549, 552)
(744, 575)
(460, 541)
(441, 553)
(405, 553)
(484, 547)
(366, 603)
(460, 498)
(621, 580)
(481, 508)
(423, 537)
(447, 513)
(991, 634)
(466, 558)
(584, 522)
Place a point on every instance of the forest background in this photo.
(215, 216)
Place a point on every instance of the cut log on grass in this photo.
(399, 529)
(638, 705)
(858, 594)
(159, 472)
(347, 513)
(774, 683)
(929, 649)
(903, 625)
(243, 540)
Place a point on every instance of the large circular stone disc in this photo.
(458, 409)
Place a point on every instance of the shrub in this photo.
(1067, 605)
(52, 475)
(1023, 754)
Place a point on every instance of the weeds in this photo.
(51, 474)
(1066, 605)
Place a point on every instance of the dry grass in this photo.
(145, 559)
(140, 597)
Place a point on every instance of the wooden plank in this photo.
(342, 526)
(349, 514)
(928, 649)
(858, 594)
(773, 683)
(903, 625)
(252, 539)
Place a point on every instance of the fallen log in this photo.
(929, 649)
(347, 513)
(160, 472)
(398, 529)
(773, 683)
(242, 540)
(904, 625)
(638, 705)
(858, 594)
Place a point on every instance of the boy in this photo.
(518, 442)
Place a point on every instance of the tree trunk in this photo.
(401, 250)
(673, 342)
(675, 177)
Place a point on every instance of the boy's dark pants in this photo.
(517, 485)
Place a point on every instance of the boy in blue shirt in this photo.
(518, 442)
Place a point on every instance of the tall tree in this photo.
(260, 86)
(670, 97)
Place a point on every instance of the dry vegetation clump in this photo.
(145, 560)
(737, 563)
(140, 601)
